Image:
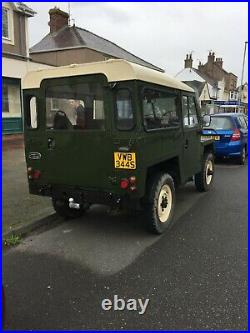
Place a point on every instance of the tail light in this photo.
(33, 174)
(129, 183)
(124, 183)
(236, 135)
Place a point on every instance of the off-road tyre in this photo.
(159, 203)
(204, 179)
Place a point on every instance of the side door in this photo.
(191, 136)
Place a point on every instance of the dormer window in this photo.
(5, 23)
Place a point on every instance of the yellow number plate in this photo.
(211, 137)
(124, 160)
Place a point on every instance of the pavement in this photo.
(195, 276)
(21, 212)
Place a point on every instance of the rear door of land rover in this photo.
(74, 152)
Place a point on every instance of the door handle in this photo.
(51, 143)
(186, 144)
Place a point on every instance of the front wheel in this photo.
(62, 208)
(160, 203)
(204, 179)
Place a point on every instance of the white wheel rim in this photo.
(209, 170)
(164, 205)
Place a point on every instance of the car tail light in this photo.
(129, 183)
(33, 174)
(236, 135)
(36, 174)
(124, 183)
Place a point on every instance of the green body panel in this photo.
(84, 159)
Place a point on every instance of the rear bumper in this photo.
(82, 195)
(230, 149)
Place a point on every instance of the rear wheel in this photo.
(160, 203)
(204, 179)
(62, 208)
(242, 158)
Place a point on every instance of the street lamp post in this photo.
(242, 76)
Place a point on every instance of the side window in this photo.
(242, 122)
(124, 112)
(31, 112)
(189, 111)
(185, 111)
(160, 109)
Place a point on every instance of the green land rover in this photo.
(114, 133)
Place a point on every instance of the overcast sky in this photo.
(161, 33)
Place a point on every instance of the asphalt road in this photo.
(195, 276)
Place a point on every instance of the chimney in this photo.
(188, 61)
(58, 19)
(211, 57)
(219, 62)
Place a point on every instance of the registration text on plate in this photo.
(124, 160)
(211, 137)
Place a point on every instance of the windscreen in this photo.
(75, 106)
(221, 123)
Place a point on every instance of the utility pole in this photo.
(69, 13)
(242, 76)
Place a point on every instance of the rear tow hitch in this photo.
(73, 204)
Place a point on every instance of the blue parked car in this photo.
(230, 133)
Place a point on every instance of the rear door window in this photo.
(221, 123)
(76, 107)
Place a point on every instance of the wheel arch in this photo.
(209, 148)
(170, 166)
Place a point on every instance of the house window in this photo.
(11, 97)
(54, 104)
(5, 23)
(5, 98)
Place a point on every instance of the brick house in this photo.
(214, 69)
(15, 62)
(213, 84)
(65, 44)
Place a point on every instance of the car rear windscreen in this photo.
(221, 123)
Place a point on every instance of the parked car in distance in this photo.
(230, 133)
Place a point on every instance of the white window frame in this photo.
(52, 107)
(10, 38)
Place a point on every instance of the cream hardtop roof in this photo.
(114, 69)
